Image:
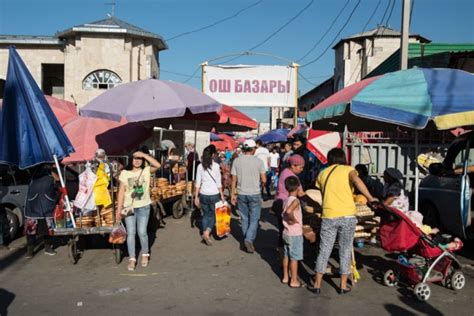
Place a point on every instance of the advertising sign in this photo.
(251, 85)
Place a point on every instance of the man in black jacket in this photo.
(43, 195)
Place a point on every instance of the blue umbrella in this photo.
(274, 136)
(30, 133)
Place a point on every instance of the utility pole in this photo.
(405, 34)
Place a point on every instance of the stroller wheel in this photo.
(422, 291)
(390, 279)
(457, 280)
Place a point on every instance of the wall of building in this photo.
(33, 56)
(358, 57)
(130, 58)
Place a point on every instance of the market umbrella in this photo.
(411, 98)
(87, 134)
(321, 142)
(300, 129)
(226, 141)
(30, 133)
(214, 137)
(227, 119)
(148, 100)
(274, 136)
(64, 111)
(416, 98)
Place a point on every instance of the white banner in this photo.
(247, 85)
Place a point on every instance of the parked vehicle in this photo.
(13, 190)
(446, 193)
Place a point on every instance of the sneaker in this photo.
(29, 253)
(131, 264)
(249, 247)
(50, 252)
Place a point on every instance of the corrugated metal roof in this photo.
(114, 25)
(430, 55)
(380, 31)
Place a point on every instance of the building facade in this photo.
(355, 57)
(83, 61)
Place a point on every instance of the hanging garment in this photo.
(101, 191)
(85, 199)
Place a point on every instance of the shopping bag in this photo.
(222, 219)
(118, 234)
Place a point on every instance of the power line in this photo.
(275, 32)
(327, 31)
(371, 16)
(390, 14)
(178, 73)
(336, 37)
(193, 74)
(215, 23)
(371, 48)
(411, 10)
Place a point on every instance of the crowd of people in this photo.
(243, 177)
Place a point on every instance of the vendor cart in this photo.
(99, 222)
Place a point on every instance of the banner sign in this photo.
(249, 85)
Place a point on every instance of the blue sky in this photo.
(439, 20)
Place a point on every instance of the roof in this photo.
(30, 39)
(380, 31)
(428, 55)
(114, 25)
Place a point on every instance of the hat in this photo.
(296, 160)
(100, 153)
(250, 143)
(394, 173)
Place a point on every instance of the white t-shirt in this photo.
(274, 157)
(209, 181)
(263, 154)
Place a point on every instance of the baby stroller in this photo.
(424, 261)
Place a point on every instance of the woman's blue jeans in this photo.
(208, 207)
(138, 222)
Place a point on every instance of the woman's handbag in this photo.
(118, 235)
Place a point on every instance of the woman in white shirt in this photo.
(208, 190)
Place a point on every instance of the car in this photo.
(445, 194)
(13, 191)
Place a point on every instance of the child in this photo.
(292, 233)
(394, 196)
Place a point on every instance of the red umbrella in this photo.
(65, 111)
(227, 141)
(321, 142)
(87, 134)
(227, 119)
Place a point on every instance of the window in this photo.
(101, 79)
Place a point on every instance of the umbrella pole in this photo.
(63, 186)
(194, 167)
(417, 171)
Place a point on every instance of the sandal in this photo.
(145, 259)
(131, 264)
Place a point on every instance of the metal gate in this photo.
(380, 156)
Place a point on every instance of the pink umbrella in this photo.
(65, 111)
(87, 134)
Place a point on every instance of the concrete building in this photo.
(355, 57)
(81, 62)
(359, 54)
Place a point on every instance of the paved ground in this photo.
(187, 277)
